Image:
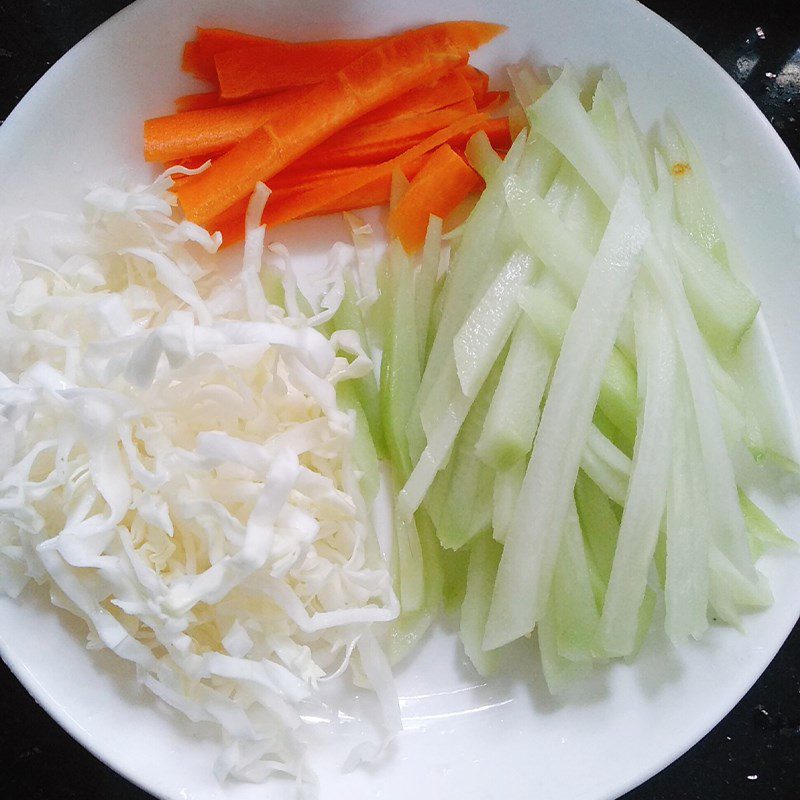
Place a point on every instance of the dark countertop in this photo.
(754, 753)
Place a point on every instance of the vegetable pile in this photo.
(567, 380)
(573, 407)
(177, 470)
(326, 123)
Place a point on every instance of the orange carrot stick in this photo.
(284, 191)
(451, 88)
(211, 130)
(380, 75)
(491, 101)
(324, 194)
(261, 69)
(443, 182)
(198, 55)
(497, 130)
(478, 80)
(305, 172)
(194, 102)
(364, 144)
(252, 71)
(214, 130)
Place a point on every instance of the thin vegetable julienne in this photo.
(443, 182)
(380, 75)
(253, 70)
(324, 197)
(198, 55)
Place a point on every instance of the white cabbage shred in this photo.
(174, 466)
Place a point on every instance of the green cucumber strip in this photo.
(507, 486)
(559, 116)
(546, 236)
(647, 490)
(559, 672)
(454, 567)
(488, 327)
(410, 573)
(634, 155)
(446, 407)
(696, 207)
(400, 364)
(585, 216)
(437, 495)
(513, 416)
(365, 454)
(477, 253)
(576, 612)
(426, 283)
(467, 509)
(348, 317)
(618, 399)
(724, 308)
(607, 465)
(686, 588)
(526, 83)
(409, 628)
(764, 533)
(645, 620)
(756, 370)
(533, 541)
(482, 156)
(730, 593)
(600, 528)
(603, 115)
(484, 556)
(488, 240)
(380, 311)
(728, 526)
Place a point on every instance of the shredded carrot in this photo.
(383, 73)
(264, 68)
(443, 182)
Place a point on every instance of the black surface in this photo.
(754, 753)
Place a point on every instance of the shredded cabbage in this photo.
(176, 470)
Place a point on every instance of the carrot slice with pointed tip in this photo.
(264, 68)
(443, 182)
(477, 79)
(198, 55)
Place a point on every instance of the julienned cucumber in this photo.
(569, 409)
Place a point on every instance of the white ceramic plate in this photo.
(465, 738)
